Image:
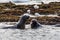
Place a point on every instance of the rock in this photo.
(28, 11)
(37, 14)
(36, 6)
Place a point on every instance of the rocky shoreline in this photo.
(10, 12)
(42, 20)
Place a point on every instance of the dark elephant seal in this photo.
(20, 24)
(22, 21)
(35, 24)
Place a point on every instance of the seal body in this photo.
(22, 21)
(35, 24)
(20, 24)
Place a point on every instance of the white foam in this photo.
(37, 14)
(28, 11)
(36, 6)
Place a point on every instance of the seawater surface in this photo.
(47, 32)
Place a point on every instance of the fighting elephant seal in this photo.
(20, 24)
(35, 24)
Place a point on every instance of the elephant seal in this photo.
(22, 21)
(20, 24)
(35, 24)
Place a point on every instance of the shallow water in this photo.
(47, 32)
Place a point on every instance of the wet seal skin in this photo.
(20, 24)
(35, 24)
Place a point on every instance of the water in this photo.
(45, 1)
(47, 32)
(31, 2)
